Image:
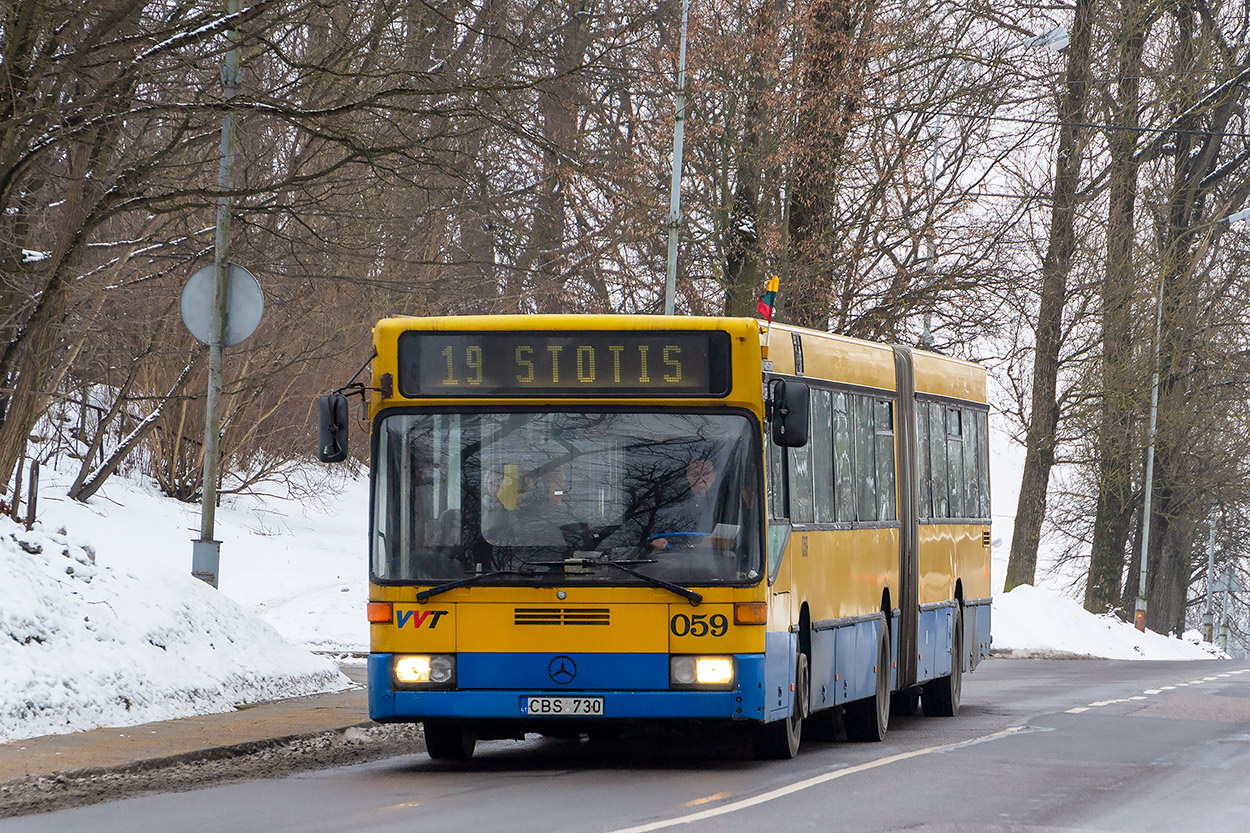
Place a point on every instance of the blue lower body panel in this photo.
(492, 685)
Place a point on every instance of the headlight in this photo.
(695, 672)
(424, 671)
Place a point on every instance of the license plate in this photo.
(561, 706)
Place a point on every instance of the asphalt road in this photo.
(1040, 745)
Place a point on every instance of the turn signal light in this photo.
(750, 613)
(380, 613)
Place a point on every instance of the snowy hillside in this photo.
(86, 643)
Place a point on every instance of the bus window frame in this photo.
(923, 401)
(485, 407)
(877, 394)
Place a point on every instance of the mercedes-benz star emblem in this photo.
(562, 670)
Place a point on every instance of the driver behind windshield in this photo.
(693, 514)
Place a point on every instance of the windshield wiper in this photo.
(685, 592)
(473, 579)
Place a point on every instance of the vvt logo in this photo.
(562, 670)
(419, 618)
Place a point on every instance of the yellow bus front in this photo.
(567, 523)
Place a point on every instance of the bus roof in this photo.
(823, 355)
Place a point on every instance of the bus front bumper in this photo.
(745, 701)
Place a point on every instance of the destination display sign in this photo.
(588, 363)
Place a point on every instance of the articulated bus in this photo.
(598, 524)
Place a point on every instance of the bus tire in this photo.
(941, 696)
(779, 740)
(448, 742)
(868, 720)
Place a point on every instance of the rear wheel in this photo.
(779, 740)
(867, 720)
(941, 696)
(448, 742)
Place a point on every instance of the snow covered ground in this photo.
(101, 623)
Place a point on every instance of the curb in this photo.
(266, 758)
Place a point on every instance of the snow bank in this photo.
(1028, 622)
(300, 564)
(85, 644)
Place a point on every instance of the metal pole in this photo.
(206, 552)
(1139, 612)
(1208, 617)
(674, 199)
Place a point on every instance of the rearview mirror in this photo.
(332, 428)
(790, 413)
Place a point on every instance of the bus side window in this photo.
(983, 455)
(937, 445)
(801, 501)
(866, 458)
(972, 475)
(776, 479)
(822, 455)
(885, 459)
(925, 473)
(955, 462)
(843, 457)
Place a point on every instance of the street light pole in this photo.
(206, 552)
(1139, 611)
(1208, 617)
(674, 201)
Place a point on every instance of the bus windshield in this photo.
(544, 497)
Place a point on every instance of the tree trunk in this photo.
(1117, 449)
(1039, 449)
(744, 267)
(85, 487)
(839, 34)
(558, 105)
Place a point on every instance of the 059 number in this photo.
(699, 624)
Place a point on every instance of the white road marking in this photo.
(1078, 710)
(1153, 690)
(808, 783)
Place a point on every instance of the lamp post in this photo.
(674, 200)
(1208, 617)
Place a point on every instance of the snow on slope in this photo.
(1028, 622)
(85, 643)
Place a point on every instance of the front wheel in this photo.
(867, 720)
(779, 740)
(448, 742)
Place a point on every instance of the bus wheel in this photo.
(868, 719)
(941, 696)
(448, 742)
(779, 740)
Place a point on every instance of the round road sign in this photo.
(244, 304)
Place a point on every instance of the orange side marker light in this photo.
(380, 613)
(750, 613)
